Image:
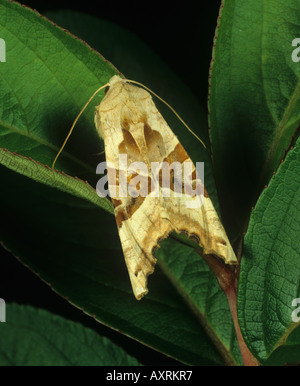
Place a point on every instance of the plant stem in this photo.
(226, 278)
(248, 358)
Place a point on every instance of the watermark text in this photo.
(2, 50)
(296, 51)
(2, 311)
(296, 312)
(157, 179)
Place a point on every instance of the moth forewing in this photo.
(131, 126)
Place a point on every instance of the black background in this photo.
(182, 34)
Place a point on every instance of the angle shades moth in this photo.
(131, 125)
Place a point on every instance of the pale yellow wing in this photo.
(131, 126)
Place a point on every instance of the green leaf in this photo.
(69, 242)
(48, 76)
(35, 337)
(269, 278)
(45, 175)
(198, 286)
(254, 99)
(74, 247)
(287, 353)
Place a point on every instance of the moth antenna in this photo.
(76, 119)
(170, 107)
(100, 153)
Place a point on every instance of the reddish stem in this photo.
(248, 358)
(226, 278)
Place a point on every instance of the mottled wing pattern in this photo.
(130, 124)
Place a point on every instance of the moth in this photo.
(132, 127)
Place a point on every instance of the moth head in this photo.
(116, 79)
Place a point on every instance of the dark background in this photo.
(182, 34)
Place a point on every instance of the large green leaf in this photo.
(44, 83)
(71, 243)
(270, 269)
(74, 247)
(50, 177)
(254, 99)
(254, 115)
(34, 337)
(198, 286)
